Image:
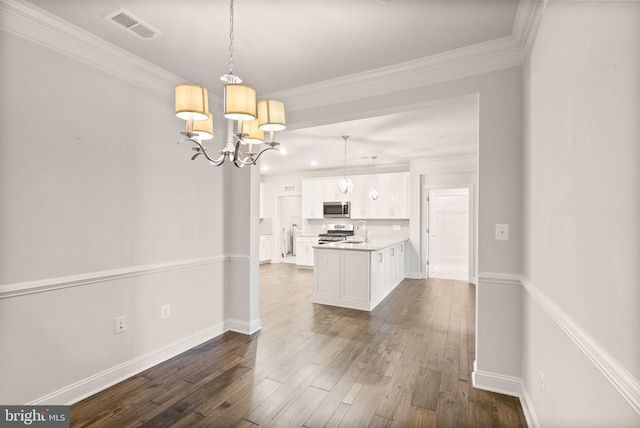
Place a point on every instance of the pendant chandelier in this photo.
(251, 119)
(345, 185)
(373, 194)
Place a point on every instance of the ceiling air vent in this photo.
(129, 22)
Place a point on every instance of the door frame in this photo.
(277, 228)
(472, 221)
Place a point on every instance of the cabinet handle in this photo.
(393, 252)
(401, 247)
(380, 257)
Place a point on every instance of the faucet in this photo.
(366, 232)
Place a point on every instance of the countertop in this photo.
(372, 245)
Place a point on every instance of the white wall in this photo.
(102, 214)
(582, 205)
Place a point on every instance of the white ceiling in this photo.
(285, 44)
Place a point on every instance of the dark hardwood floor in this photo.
(406, 364)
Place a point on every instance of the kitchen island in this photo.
(356, 274)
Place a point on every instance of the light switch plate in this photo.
(502, 232)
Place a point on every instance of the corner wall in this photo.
(582, 205)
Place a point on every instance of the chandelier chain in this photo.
(231, 38)
(345, 156)
(374, 170)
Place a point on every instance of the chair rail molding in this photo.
(622, 380)
(44, 285)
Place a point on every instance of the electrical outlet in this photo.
(165, 311)
(542, 383)
(502, 232)
(121, 324)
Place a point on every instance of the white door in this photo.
(448, 237)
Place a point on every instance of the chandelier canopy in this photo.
(252, 118)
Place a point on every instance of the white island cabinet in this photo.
(357, 275)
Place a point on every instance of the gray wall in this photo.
(582, 206)
(104, 215)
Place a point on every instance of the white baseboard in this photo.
(100, 381)
(495, 382)
(243, 327)
(413, 275)
(528, 409)
(507, 385)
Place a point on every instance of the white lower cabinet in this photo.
(357, 279)
(387, 271)
(265, 248)
(305, 252)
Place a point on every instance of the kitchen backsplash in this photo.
(377, 228)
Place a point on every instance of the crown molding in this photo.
(525, 27)
(494, 55)
(455, 64)
(41, 27)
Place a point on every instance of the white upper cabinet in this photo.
(361, 204)
(312, 198)
(331, 192)
(393, 195)
(400, 200)
(392, 202)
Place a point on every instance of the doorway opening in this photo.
(447, 233)
(290, 226)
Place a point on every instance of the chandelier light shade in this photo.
(203, 128)
(192, 102)
(192, 105)
(239, 102)
(271, 115)
(255, 135)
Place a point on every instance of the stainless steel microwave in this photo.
(336, 209)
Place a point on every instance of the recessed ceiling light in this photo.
(283, 150)
(313, 163)
(264, 167)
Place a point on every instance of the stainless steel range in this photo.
(335, 233)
